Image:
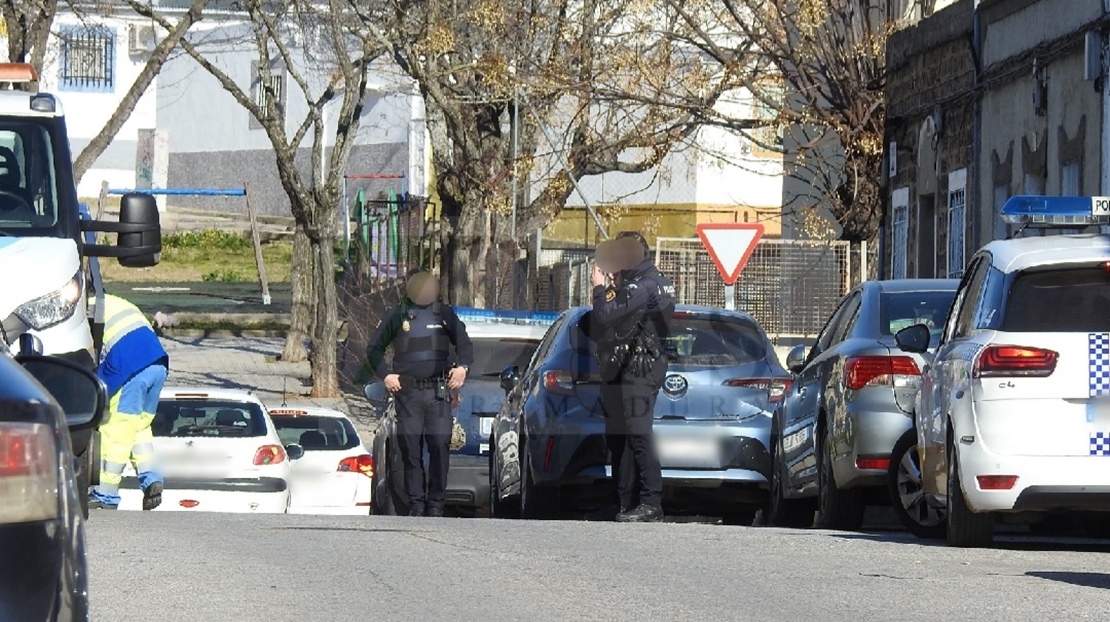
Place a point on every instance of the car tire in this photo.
(780, 511)
(93, 458)
(907, 495)
(384, 500)
(836, 508)
(82, 478)
(965, 529)
(498, 507)
(536, 502)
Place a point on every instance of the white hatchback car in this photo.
(219, 452)
(336, 472)
(1010, 417)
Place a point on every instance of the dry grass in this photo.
(188, 265)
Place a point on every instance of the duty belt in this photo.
(423, 383)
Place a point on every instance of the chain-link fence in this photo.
(562, 278)
(789, 286)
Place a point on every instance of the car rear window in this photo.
(703, 340)
(903, 309)
(316, 433)
(183, 418)
(492, 355)
(1059, 301)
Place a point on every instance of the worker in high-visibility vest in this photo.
(133, 366)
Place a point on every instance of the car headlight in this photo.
(53, 308)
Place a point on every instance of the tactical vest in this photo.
(423, 336)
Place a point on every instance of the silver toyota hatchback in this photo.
(851, 401)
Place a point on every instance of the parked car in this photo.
(712, 420)
(44, 575)
(850, 403)
(219, 452)
(334, 475)
(500, 339)
(1013, 417)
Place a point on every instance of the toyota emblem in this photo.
(675, 386)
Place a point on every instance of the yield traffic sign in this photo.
(730, 245)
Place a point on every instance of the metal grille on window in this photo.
(900, 221)
(266, 101)
(88, 59)
(957, 222)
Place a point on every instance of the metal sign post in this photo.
(730, 297)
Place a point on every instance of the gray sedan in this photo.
(834, 432)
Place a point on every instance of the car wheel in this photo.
(536, 502)
(836, 508)
(82, 478)
(498, 507)
(965, 528)
(384, 499)
(780, 511)
(907, 495)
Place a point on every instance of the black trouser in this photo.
(424, 419)
(629, 404)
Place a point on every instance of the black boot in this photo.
(606, 514)
(435, 512)
(642, 513)
(152, 496)
(416, 510)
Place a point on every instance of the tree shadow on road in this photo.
(1081, 579)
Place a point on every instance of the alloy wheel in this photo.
(911, 493)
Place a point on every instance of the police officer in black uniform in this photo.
(630, 319)
(422, 330)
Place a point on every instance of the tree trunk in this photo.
(325, 330)
(300, 325)
(859, 197)
(467, 252)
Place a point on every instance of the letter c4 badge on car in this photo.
(674, 386)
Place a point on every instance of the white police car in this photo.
(1011, 418)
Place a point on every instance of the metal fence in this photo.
(789, 286)
(562, 278)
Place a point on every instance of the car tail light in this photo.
(269, 454)
(775, 387)
(564, 382)
(358, 464)
(1015, 361)
(28, 473)
(881, 371)
(878, 463)
(996, 482)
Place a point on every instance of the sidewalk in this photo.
(251, 364)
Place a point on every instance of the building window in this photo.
(1069, 179)
(268, 95)
(1033, 185)
(900, 229)
(767, 139)
(88, 59)
(957, 221)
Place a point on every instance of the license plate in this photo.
(485, 425)
(692, 453)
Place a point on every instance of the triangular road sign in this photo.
(730, 245)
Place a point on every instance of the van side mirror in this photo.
(510, 377)
(77, 390)
(796, 359)
(913, 339)
(140, 211)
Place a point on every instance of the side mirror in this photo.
(138, 216)
(377, 395)
(77, 390)
(510, 376)
(294, 451)
(796, 359)
(913, 339)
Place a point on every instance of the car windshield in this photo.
(492, 355)
(1059, 301)
(701, 340)
(316, 433)
(28, 192)
(902, 309)
(208, 418)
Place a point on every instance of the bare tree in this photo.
(30, 28)
(817, 79)
(600, 87)
(332, 76)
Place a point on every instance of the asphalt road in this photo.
(170, 567)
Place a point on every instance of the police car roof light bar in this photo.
(1042, 211)
(471, 315)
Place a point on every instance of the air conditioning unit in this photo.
(141, 39)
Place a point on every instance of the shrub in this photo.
(209, 238)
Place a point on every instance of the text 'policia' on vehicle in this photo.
(1013, 415)
(47, 239)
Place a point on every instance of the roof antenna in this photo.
(284, 392)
